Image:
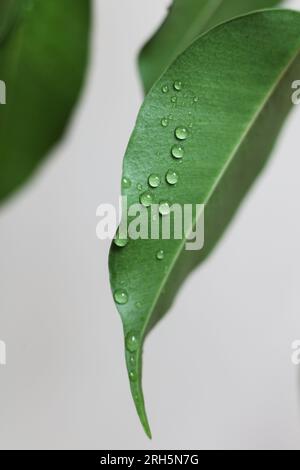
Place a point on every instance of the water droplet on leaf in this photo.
(132, 376)
(146, 199)
(154, 181)
(126, 183)
(120, 241)
(132, 359)
(172, 177)
(132, 343)
(178, 85)
(121, 296)
(165, 122)
(177, 151)
(181, 133)
(160, 255)
(165, 89)
(164, 208)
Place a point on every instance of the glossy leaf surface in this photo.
(235, 96)
(186, 20)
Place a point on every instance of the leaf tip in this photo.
(135, 378)
(139, 402)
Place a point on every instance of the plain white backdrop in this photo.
(226, 379)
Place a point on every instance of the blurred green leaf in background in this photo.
(43, 58)
(9, 10)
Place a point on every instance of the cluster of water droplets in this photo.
(147, 195)
(177, 152)
(146, 192)
(132, 344)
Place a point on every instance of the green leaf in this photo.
(187, 19)
(42, 62)
(241, 74)
(9, 10)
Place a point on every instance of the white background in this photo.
(226, 379)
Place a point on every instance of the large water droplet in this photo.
(121, 296)
(178, 85)
(172, 177)
(126, 183)
(177, 151)
(164, 208)
(132, 342)
(160, 255)
(146, 199)
(154, 181)
(120, 242)
(181, 133)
